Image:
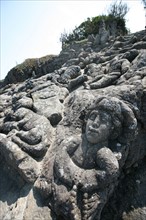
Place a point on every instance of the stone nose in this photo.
(96, 122)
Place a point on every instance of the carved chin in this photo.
(93, 138)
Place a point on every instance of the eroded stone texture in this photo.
(73, 141)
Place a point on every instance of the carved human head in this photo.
(109, 118)
(98, 126)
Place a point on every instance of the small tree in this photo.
(118, 10)
(63, 37)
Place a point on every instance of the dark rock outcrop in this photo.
(73, 134)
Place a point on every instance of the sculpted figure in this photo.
(87, 164)
(109, 75)
(27, 140)
(103, 35)
(70, 77)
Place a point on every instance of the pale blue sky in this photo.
(31, 29)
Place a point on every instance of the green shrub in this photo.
(116, 14)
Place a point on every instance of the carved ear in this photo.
(129, 122)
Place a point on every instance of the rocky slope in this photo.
(73, 133)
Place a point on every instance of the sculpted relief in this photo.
(81, 157)
(74, 163)
(70, 138)
(88, 162)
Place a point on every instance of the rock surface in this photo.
(73, 134)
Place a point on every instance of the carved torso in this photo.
(85, 156)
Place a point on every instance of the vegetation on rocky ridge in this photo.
(116, 15)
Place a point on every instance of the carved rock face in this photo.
(98, 126)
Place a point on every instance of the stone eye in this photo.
(92, 116)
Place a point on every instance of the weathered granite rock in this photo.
(73, 135)
(103, 36)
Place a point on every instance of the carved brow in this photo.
(94, 112)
